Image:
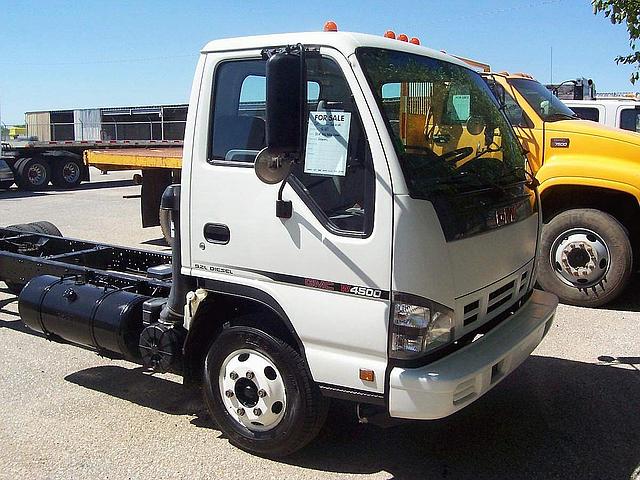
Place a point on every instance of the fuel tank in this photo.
(106, 319)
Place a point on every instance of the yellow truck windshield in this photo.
(545, 103)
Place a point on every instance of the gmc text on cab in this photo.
(385, 268)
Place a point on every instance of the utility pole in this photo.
(551, 81)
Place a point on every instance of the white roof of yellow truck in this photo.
(345, 42)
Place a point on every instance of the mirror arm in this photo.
(284, 208)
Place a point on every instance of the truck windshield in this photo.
(545, 103)
(455, 147)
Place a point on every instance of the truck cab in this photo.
(355, 220)
(413, 225)
(589, 190)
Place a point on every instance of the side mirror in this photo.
(286, 96)
(285, 118)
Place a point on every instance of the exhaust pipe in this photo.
(173, 311)
(161, 342)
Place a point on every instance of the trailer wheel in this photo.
(44, 227)
(165, 226)
(586, 257)
(67, 173)
(33, 173)
(259, 392)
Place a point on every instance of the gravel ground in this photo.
(571, 410)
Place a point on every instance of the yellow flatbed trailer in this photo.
(135, 158)
(160, 168)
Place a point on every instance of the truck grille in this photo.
(479, 307)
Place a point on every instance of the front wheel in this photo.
(259, 392)
(586, 257)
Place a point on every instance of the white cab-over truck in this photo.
(365, 262)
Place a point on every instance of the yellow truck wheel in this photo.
(586, 257)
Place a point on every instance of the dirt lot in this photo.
(571, 411)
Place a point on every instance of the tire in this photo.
(44, 227)
(586, 257)
(293, 408)
(165, 225)
(67, 173)
(33, 173)
(47, 228)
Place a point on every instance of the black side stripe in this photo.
(327, 285)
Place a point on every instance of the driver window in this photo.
(337, 172)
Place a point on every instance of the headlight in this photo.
(419, 329)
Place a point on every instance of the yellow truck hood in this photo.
(569, 128)
(599, 156)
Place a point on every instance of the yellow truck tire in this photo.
(586, 257)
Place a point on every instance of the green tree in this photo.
(624, 12)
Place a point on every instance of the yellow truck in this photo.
(589, 191)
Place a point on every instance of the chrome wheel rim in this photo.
(70, 172)
(252, 390)
(580, 258)
(37, 174)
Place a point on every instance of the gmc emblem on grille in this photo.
(506, 215)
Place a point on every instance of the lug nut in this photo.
(262, 393)
(257, 412)
(228, 394)
(249, 375)
(233, 376)
(240, 412)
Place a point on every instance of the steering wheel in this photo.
(456, 155)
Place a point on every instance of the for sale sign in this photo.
(327, 143)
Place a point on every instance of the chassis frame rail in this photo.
(25, 255)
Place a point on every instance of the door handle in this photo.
(217, 233)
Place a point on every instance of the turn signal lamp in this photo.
(403, 38)
(367, 375)
(390, 34)
(415, 41)
(330, 26)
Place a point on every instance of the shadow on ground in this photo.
(629, 300)
(552, 419)
(137, 385)
(11, 318)
(158, 242)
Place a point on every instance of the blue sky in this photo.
(57, 54)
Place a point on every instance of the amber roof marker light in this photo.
(415, 41)
(390, 34)
(330, 26)
(403, 37)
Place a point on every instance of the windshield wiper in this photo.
(557, 116)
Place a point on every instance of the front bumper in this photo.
(453, 382)
(6, 175)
